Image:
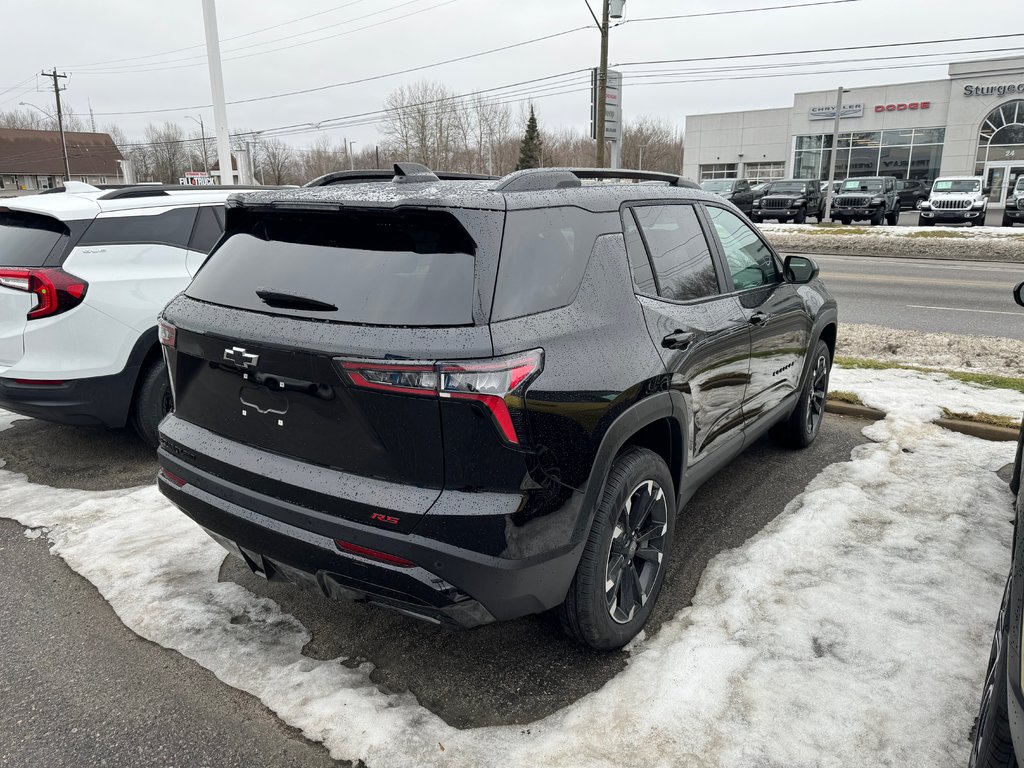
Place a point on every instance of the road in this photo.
(81, 689)
(926, 295)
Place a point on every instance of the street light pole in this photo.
(220, 110)
(834, 152)
(351, 157)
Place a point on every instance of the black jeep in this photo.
(871, 198)
(787, 199)
(475, 400)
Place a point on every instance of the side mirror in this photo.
(801, 269)
(986, 190)
(1018, 294)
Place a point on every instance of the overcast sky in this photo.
(126, 55)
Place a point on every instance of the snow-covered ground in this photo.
(971, 233)
(852, 630)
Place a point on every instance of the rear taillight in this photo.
(55, 290)
(496, 383)
(373, 554)
(167, 333)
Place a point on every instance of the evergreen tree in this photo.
(530, 149)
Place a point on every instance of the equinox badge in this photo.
(241, 358)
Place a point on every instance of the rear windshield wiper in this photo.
(287, 300)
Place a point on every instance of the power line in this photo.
(821, 50)
(357, 81)
(159, 66)
(225, 40)
(735, 11)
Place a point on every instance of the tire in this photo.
(992, 746)
(923, 222)
(980, 221)
(878, 218)
(637, 474)
(894, 218)
(152, 402)
(804, 424)
(801, 217)
(1007, 221)
(756, 218)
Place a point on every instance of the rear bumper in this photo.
(100, 400)
(280, 540)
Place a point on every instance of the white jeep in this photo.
(955, 199)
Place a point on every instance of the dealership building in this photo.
(970, 124)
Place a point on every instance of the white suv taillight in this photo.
(494, 382)
(55, 290)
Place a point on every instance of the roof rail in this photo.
(379, 174)
(537, 179)
(153, 190)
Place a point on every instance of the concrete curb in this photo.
(972, 428)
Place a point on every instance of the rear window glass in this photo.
(26, 239)
(544, 254)
(411, 267)
(168, 228)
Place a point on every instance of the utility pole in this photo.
(602, 84)
(60, 118)
(220, 110)
(834, 152)
(376, 152)
(202, 133)
(640, 165)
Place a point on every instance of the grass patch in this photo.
(983, 418)
(845, 397)
(984, 379)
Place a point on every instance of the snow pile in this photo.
(985, 354)
(853, 630)
(922, 396)
(962, 232)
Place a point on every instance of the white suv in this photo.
(955, 199)
(83, 275)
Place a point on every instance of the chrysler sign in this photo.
(829, 112)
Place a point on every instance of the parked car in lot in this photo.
(736, 191)
(83, 275)
(474, 400)
(998, 736)
(870, 198)
(1013, 213)
(913, 192)
(955, 200)
(788, 199)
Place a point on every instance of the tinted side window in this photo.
(679, 251)
(544, 253)
(639, 263)
(750, 260)
(208, 230)
(26, 239)
(169, 228)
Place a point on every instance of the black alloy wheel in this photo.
(636, 551)
(623, 566)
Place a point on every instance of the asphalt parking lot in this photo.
(82, 689)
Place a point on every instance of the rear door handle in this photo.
(678, 339)
(759, 318)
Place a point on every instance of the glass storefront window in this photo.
(761, 172)
(718, 171)
(905, 154)
(898, 138)
(866, 139)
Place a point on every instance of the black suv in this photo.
(873, 198)
(476, 400)
(787, 199)
(736, 191)
(912, 192)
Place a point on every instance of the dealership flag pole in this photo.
(220, 110)
(832, 156)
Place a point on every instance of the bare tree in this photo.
(276, 162)
(660, 145)
(320, 158)
(168, 153)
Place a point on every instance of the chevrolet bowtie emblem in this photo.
(241, 358)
